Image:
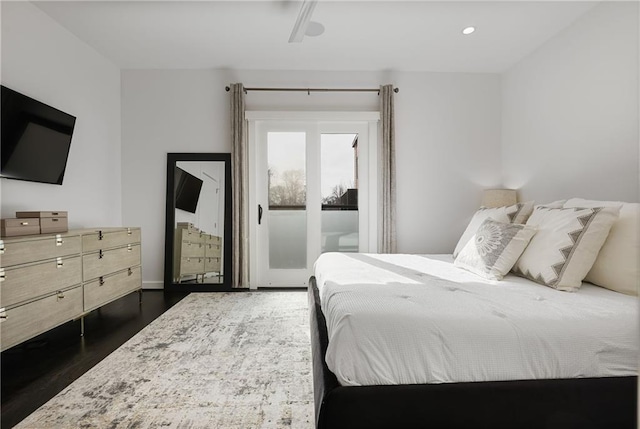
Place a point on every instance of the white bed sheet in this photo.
(417, 319)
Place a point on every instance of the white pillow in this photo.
(494, 248)
(566, 244)
(617, 266)
(517, 213)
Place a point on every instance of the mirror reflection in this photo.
(199, 201)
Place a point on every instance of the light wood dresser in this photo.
(195, 252)
(47, 280)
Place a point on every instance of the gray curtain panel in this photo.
(240, 188)
(387, 242)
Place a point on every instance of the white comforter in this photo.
(416, 319)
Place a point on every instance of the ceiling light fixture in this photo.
(302, 22)
(468, 30)
(314, 29)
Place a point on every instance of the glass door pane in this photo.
(339, 190)
(287, 211)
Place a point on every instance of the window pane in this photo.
(339, 231)
(287, 200)
(287, 239)
(339, 190)
(286, 174)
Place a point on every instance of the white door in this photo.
(311, 193)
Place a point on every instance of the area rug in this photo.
(214, 360)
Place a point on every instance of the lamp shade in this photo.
(499, 197)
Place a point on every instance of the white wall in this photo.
(570, 111)
(448, 141)
(165, 111)
(448, 137)
(44, 61)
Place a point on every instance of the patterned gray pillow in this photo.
(566, 244)
(517, 213)
(494, 248)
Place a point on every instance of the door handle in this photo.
(259, 214)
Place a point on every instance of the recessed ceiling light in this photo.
(314, 29)
(468, 30)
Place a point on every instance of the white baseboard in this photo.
(155, 284)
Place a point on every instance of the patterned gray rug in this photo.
(215, 360)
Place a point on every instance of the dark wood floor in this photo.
(34, 372)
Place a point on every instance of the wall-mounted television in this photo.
(35, 139)
(187, 190)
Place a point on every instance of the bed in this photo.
(411, 341)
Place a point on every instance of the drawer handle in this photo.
(59, 263)
(100, 236)
(129, 231)
(100, 255)
(60, 294)
(129, 248)
(101, 281)
(2, 275)
(24, 223)
(3, 314)
(54, 213)
(1, 247)
(130, 272)
(54, 219)
(59, 240)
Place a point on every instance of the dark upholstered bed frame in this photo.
(560, 403)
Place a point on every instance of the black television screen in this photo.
(35, 139)
(187, 190)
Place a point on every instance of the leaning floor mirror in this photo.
(198, 222)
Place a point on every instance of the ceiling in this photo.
(359, 35)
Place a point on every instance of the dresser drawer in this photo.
(212, 239)
(190, 235)
(113, 286)
(24, 251)
(191, 266)
(213, 250)
(105, 239)
(109, 261)
(25, 282)
(212, 265)
(27, 321)
(191, 250)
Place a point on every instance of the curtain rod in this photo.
(310, 90)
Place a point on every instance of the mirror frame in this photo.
(169, 285)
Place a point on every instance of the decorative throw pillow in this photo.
(494, 248)
(617, 266)
(524, 211)
(517, 213)
(565, 246)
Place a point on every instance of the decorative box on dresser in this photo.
(47, 280)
